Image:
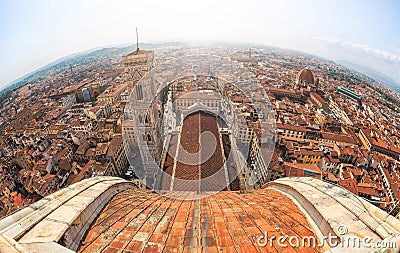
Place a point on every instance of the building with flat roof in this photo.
(208, 98)
(349, 93)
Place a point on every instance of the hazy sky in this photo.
(34, 33)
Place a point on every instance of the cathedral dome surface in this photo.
(141, 221)
(306, 75)
(108, 214)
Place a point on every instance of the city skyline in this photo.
(204, 149)
(208, 126)
(34, 34)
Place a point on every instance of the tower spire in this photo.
(137, 41)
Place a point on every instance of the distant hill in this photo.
(80, 58)
(378, 76)
(62, 64)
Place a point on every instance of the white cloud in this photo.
(395, 49)
(385, 61)
(380, 54)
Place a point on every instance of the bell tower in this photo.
(142, 116)
(137, 64)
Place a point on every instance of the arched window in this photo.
(139, 92)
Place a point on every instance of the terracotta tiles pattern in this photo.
(193, 126)
(141, 221)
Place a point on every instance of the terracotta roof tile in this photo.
(193, 126)
(141, 221)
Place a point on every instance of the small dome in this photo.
(306, 75)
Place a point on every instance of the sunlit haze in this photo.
(35, 33)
